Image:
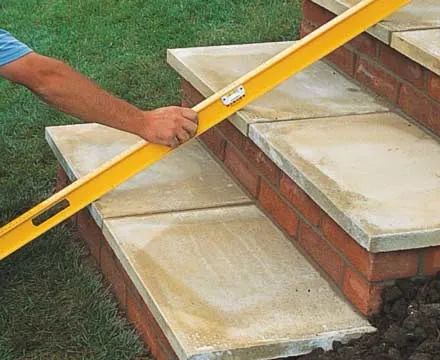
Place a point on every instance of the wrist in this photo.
(135, 122)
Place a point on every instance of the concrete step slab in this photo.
(422, 46)
(315, 92)
(418, 14)
(377, 175)
(187, 179)
(226, 284)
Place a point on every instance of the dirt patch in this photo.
(408, 327)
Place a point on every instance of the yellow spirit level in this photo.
(211, 111)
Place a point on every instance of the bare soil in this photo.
(408, 326)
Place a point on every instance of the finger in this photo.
(190, 128)
(183, 136)
(190, 115)
(174, 143)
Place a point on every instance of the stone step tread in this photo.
(405, 30)
(187, 179)
(374, 175)
(422, 46)
(377, 175)
(225, 283)
(315, 92)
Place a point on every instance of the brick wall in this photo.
(405, 83)
(359, 274)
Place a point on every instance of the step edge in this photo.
(372, 242)
(323, 340)
(385, 34)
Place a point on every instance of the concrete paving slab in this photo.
(189, 178)
(226, 284)
(419, 14)
(316, 92)
(377, 175)
(422, 46)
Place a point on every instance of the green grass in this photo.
(53, 304)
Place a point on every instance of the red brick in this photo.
(150, 332)
(321, 252)
(185, 103)
(306, 29)
(278, 209)
(166, 351)
(342, 241)
(431, 261)
(61, 180)
(231, 133)
(434, 86)
(90, 232)
(139, 320)
(261, 162)
(375, 267)
(316, 14)
(402, 66)
(344, 59)
(393, 265)
(421, 107)
(241, 169)
(250, 151)
(112, 272)
(190, 94)
(365, 44)
(215, 142)
(377, 79)
(298, 198)
(362, 294)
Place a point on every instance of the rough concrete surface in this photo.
(377, 175)
(422, 46)
(418, 14)
(315, 92)
(225, 283)
(187, 179)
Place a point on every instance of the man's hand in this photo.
(170, 126)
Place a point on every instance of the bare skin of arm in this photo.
(59, 85)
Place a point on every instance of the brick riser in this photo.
(359, 274)
(407, 84)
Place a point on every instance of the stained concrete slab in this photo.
(187, 179)
(315, 92)
(226, 284)
(422, 46)
(418, 14)
(377, 175)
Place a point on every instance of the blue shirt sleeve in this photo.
(10, 48)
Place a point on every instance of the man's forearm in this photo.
(73, 93)
(66, 89)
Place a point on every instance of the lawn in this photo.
(53, 303)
